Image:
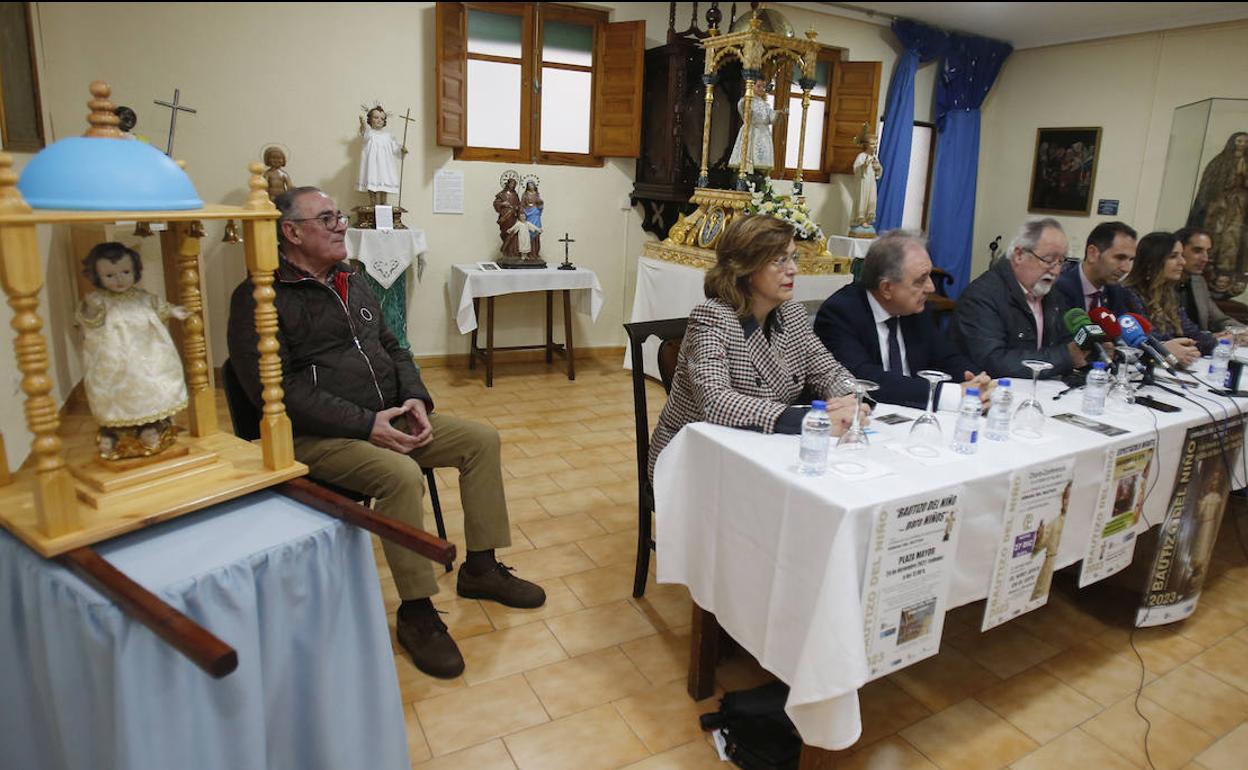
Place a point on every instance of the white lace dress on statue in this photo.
(379, 162)
(762, 117)
(133, 373)
(868, 169)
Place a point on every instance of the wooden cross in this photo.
(567, 263)
(408, 120)
(173, 119)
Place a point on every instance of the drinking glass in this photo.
(1029, 417)
(925, 433)
(1121, 395)
(855, 438)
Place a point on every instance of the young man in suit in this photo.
(1107, 258)
(1193, 291)
(880, 329)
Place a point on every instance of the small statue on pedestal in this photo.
(134, 379)
(276, 175)
(380, 166)
(521, 239)
(868, 169)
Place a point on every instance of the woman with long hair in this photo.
(749, 351)
(1152, 291)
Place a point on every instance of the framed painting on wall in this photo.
(1063, 171)
(21, 118)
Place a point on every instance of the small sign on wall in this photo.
(1106, 207)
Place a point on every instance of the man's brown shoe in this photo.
(430, 646)
(501, 586)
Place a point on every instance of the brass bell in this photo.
(143, 229)
(231, 232)
(196, 229)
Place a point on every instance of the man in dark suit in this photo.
(1193, 291)
(1107, 258)
(879, 329)
(1009, 313)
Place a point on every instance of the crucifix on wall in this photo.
(176, 107)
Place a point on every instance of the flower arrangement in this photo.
(790, 208)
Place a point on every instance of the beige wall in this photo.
(296, 74)
(1129, 87)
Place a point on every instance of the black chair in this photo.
(671, 332)
(245, 418)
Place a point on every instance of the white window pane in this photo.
(812, 158)
(565, 43)
(494, 34)
(916, 180)
(493, 105)
(565, 110)
(821, 80)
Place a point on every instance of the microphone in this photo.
(1147, 328)
(1088, 336)
(1133, 335)
(1107, 321)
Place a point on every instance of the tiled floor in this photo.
(595, 679)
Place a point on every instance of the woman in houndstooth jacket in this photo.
(748, 351)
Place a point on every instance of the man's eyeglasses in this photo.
(1048, 261)
(328, 221)
(784, 261)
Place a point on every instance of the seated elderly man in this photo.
(1097, 280)
(1010, 314)
(880, 329)
(363, 419)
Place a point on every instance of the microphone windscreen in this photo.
(1144, 323)
(1132, 334)
(1106, 320)
(1075, 319)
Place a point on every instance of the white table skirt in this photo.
(469, 282)
(386, 254)
(779, 557)
(844, 246)
(292, 590)
(668, 290)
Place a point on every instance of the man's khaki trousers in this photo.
(397, 484)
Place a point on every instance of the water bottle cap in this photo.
(972, 392)
(820, 405)
(1098, 364)
(1224, 342)
(1004, 382)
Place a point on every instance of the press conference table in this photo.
(778, 557)
(292, 590)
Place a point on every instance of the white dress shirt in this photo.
(949, 397)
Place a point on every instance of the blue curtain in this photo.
(922, 43)
(970, 67)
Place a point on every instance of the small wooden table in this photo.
(471, 283)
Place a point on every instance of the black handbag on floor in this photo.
(758, 735)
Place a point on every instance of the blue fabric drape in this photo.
(969, 70)
(922, 43)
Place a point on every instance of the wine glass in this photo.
(1029, 417)
(1122, 394)
(855, 438)
(925, 433)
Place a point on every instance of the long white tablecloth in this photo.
(292, 590)
(778, 557)
(469, 281)
(667, 290)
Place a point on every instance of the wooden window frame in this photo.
(531, 44)
(780, 140)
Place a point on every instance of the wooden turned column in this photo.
(56, 506)
(202, 404)
(260, 246)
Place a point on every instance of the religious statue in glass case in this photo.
(1221, 207)
(134, 380)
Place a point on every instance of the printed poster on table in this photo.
(1031, 535)
(905, 588)
(1186, 536)
(1116, 520)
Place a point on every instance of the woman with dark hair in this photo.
(749, 351)
(1152, 292)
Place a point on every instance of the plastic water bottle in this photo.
(1220, 365)
(997, 427)
(812, 458)
(1095, 390)
(966, 430)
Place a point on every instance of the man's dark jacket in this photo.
(847, 327)
(340, 363)
(1070, 285)
(995, 328)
